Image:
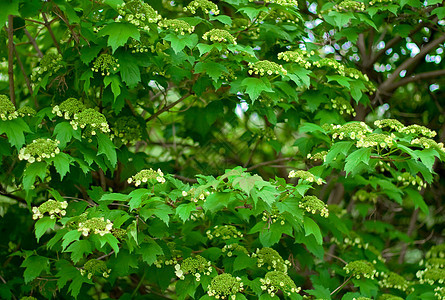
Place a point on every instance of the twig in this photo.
(167, 107)
(251, 153)
(336, 257)
(105, 256)
(411, 227)
(28, 82)
(191, 180)
(341, 286)
(265, 163)
(51, 33)
(419, 76)
(11, 58)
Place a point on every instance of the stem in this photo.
(138, 286)
(28, 82)
(167, 107)
(33, 42)
(11, 58)
(51, 33)
(341, 286)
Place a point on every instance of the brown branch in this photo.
(167, 107)
(252, 153)
(419, 76)
(409, 232)
(265, 163)
(28, 82)
(33, 42)
(186, 179)
(51, 33)
(11, 58)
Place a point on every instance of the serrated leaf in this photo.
(336, 149)
(78, 249)
(136, 198)
(310, 227)
(115, 84)
(129, 69)
(149, 250)
(70, 237)
(184, 211)
(213, 69)
(179, 42)
(242, 262)
(106, 147)
(42, 225)
(32, 171)
(246, 182)
(15, 129)
(110, 240)
(8, 8)
(355, 158)
(34, 265)
(427, 157)
(217, 201)
(119, 33)
(255, 86)
(62, 162)
(417, 200)
(64, 132)
(88, 53)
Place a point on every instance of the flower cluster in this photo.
(51, 207)
(119, 233)
(429, 143)
(50, 63)
(206, 6)
(364, 196)
(39, 149)
(321, 156)
(220, 36)
(391, 123)
(361, 268)
(90, 120)
(313, 205)
(431, 275)
(281, 2)
(435, 262)
(95, 266)
(127, 129)
(273, 216)
(172, 259)
(373, 2)
(389, 297)
(68, 108)
(176, 25)
(353, 130)
(394, 280)
(297, 56)
(138, 13)
(96, 225)
(224, 286)
(265, 67)
(146, 175)
(361, 298)
(436, 251)
(331, 64)
(231, 248)
(275, 281)
(104, 63)
(418, 130)
(406, 179)
(224, 232)
(440, 293)
(193, 265)
(26, 111)
(196, 194)
(381, 140)
(343, 106)
(305, 175)
(272, 259)
(350, 5)
(7, 109)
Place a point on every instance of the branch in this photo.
(167, 107)
(51, 33)
(11, 58)
(265, 163)
(33, 42)
(419, 76)
(186, 179)
(28, 82)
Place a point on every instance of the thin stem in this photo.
(341, 286)
(138, 286)
(167, 107)
(28, 82)
(11, 58)
(51, 33)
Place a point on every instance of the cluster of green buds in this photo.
(355, 240)
(319, 156)
(362, 298)
(418, 130)
(395, 281)
(350, 5)
(147, 175)
(389, 297)
(314, 205)
(28, 298)
(196, 194)
(138, 13)
(352, 130)
(225, 232)
(90, 120)
(331, 63)
(373, 2)
(7, 109)
(281, 2)
(68, 108)
(272, 259)
(406, 179)
(431, 275)
(127, 129)
(51, 207)
(391, 123)
(439, 292)
(193, 265)
(176, 25)
(50, 63)
(95, 225)
(383, 166)
(172, 259)
(364, 196)
(104, 63)
(94, 267)
(233, 248)
(266, 67)
(275, 281)
(26, 111)
(435, 262)
(429, 144)
(39, 149)
(382, 140)
(273, 216)
(436, 251)
(305, 176)
(361, 269)
(225, 286)
(298, 56)
(219, 36)
(143, 45)
(343, 106)
(206, 6)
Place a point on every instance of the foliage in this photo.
(231, 149)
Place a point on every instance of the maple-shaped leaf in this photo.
(255, 86)
(119, 33)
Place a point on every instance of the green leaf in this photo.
(341, 18)
(114, 197)
(439, 11)
(343, 81)
(310, 227)
(252, 12)
(217, 201)
(213, 69)
(255, 86)
(129, 69)
(115, 84)
(184, 210)
(242, 262)
(34, 265)
(62, 162)
(179, 42)
(355, 158)
(336, 149)
(32, 171)
(15, 130)
(417, 200)
(78, 249)
(149, 250)
(42, 225)
(8, 7)
(107, 148)
(119, 33)
(246, 182)
(70, 237)
(136, 197)
(110, 240)
(88, 53)
(427, 157)
(226, 20)
(64, 132)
